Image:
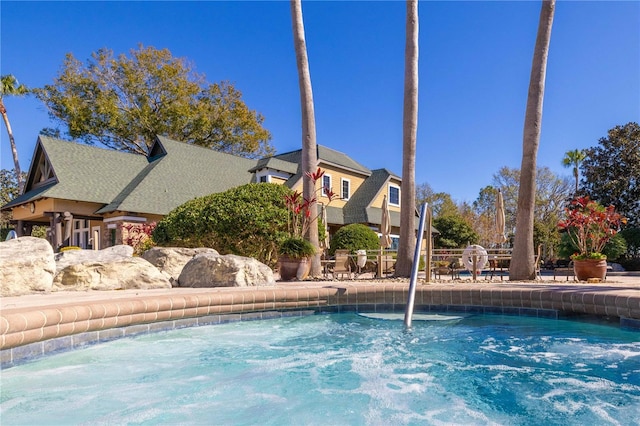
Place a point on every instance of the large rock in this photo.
(171, 260)
(26, 265)
(209, 270)
(126, 273)
(110, 254)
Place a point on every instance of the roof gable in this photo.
(183, 173)
(327, 156)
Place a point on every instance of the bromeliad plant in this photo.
(300, 218)
(590, 226)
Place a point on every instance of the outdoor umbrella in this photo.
(385, 225)
(323, 217)
(500, 220)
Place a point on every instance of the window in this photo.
(81, 233)
(394, 195)
(326, 183)
(346, 188)
(263, 179)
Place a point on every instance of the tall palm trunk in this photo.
(407, 242)
(309, 151)
(523, 263)
(12, 142)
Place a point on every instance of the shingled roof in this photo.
(132, 182)
(327, 156)
(182, 174)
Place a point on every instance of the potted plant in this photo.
(295, 252)
(590, 226)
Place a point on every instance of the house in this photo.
(84, 194)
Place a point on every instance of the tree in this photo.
(573, 159)
(550, 198)
(455, 232)
(523, 267)
(440, 202)
(124, 102)
(9, 189)
(407, 242)
(11, 87)
(611, 171)
(309, 147)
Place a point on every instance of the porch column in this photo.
(57, 233)
(19, 229)
(68, 228)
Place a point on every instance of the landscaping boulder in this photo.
(209, 270)
(110, 254)
(171, 260)
(27, 265)
(122, 274)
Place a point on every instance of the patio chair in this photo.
(343, 263)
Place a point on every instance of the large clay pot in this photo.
(590, 268)
(294, 269)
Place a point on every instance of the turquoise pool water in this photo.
(340, 369)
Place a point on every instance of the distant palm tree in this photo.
(574, 158)
(407, 241)
(309, 149)
(523, 266)
(11, 87)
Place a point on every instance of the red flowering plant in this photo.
(301, 217)
(138, 236)
(590, 226)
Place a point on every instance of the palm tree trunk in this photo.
(309, 149)
(523, 264)
(14, 150)
(407, 242)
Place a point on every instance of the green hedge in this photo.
(250, 220)
(355, 237)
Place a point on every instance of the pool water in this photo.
(340, 369)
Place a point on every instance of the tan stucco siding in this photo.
(279, 181)
(337, 175)
(377, 202)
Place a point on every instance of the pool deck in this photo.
(44, 319)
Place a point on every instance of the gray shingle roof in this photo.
(327, 156)
(357, 209)
(130, 182)
(83, 172)
(186, 172)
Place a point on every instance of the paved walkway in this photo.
(629, 282)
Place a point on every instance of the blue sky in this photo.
(475, 59)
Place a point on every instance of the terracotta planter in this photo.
(294, 269)
(590, 268)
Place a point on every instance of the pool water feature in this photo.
(340, 369)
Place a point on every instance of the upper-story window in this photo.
(346, 188)
(394, 195)
(326, 183)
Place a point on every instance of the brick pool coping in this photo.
(36, 324)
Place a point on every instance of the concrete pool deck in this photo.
(31, 325)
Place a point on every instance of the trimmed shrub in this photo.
(250, 220)
(354, 237)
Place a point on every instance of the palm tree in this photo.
(11, 87)
(409, 135)
(523, 264)
(574, 158)
(309, 150)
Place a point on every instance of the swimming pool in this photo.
(340, 369)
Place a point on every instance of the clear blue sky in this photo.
(475, 60)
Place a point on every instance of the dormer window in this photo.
(394, 195)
